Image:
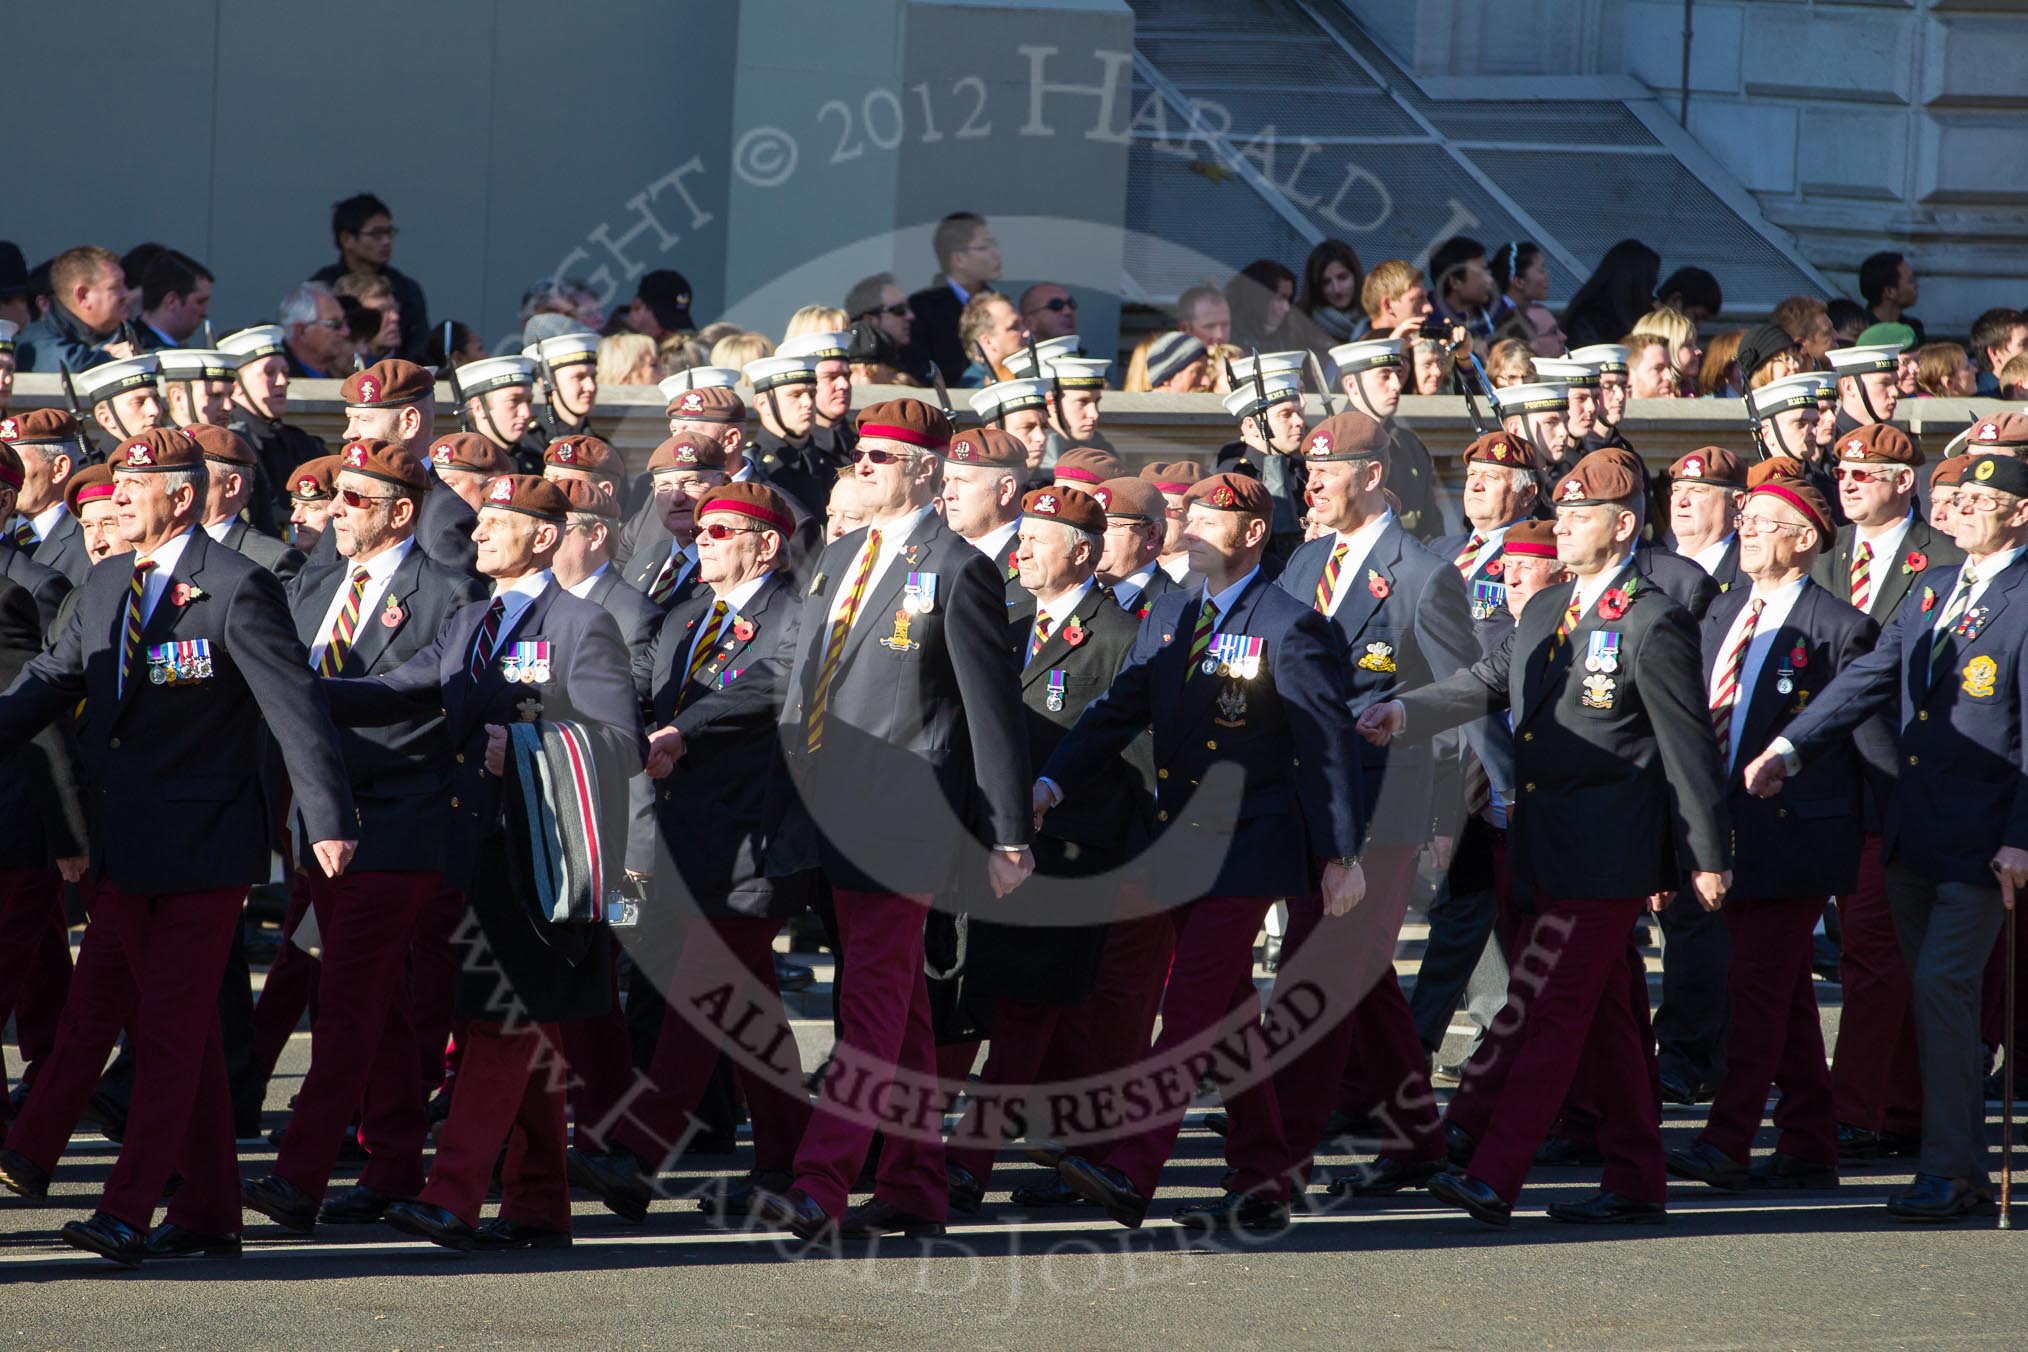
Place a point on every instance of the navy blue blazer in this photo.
(1691, 587)
(41, 800)
(1285, 729)
(45, 584)
(444, 529)
(1964, 762)
(63, 549)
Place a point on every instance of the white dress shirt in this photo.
(1886, 551)
(515, 599)
(1709, 557)
(581, 588)
(735, 600)
(1774, 613)
(1057, 612)
(45, 520)
(166, 558)
(1358, 545)
(379, 572)
(893, 535)
(1177, 567)
(998, 542)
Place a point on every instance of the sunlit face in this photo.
(511, 544)
(794, 407)
(44, 472)
(1189, 380)
(1430, 369)
(1496, 494)
(1547, 432)
(503, 414)
(130, 411)
(264, 387)
(677, 494)
(831, 396)
(1941, 513)
(577, 388)
(1532, 282)
(1874, 493)
(1580, 413)
(381, 518)
(1031, 427)
(1612, 397)
(977, 498)
(600, 484)
(1051, 557)
(100, 521)
(105, 298)
(1527, 574)
(1987, 521)
(1700, 512)
(308, 519)
(889, 488)
(1209, 320)
(1590, 536)
(1880, 390)
(148, 509)
(1774, 537)
(1648, 374)
(1375, 391)
(1080, 413)
(733, 548)
(1336, 487)
(1216, 540)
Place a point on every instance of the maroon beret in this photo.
(530, 495)
(588, 497)
(386, 461)
(755, 501)
(38, 426)
(687, 450)
(908, 421)
(1131, 499)
(1345, 436)
(1066, 503)
(1088, 466)
(987, 446)
(393, 383)
(586, 452)
(159, 448)
(93, 483)
(221, 444)
(1232, 493)
(713, 404)
(469, 451)
(1531, 539)
(1713, 465)
(1879, 442)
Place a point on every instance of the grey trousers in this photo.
(1691, 1022)
(1463, 957)
(1947, 931)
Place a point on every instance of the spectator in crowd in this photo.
(1618, 292)
(1718, 376)
(1259, 298)
(1808, 321)
(1395, 297)
(1510, 363)
(466, 346)
(1649, 374)
(968, 261)
(878, 301)
(737, 349)
(1202, 313)
(1432, 367)
(1686, 354)
(1049, 311)
(1329, 297)
(1169, 363)
(1848, 318)
(175, 299)
(816, 319)
(1465, 291)
(1888, 285)
(313, 324)
(372, 291)
(81, 329)
(1521, 274)
(1766, 352)
(681, 352)
(712, 334)
(661, 304)
(363, 229)
(14, 305)
(568, 296)
(1945, 369)
(628, 359)
(1998, 336)
(2014, 377)
(362, 326)
(1693, 291)
(990, 329)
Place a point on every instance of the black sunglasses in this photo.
(1058, 303)
(896, 310)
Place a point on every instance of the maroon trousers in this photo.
(884, 1017)
(1775, 1036)
(31, 903)
(601, 1067)
(1114, 1025)
(181, 1119)
(724, 951)
(1025, 1038)
(511, 1093)
(1209, 981)
(100, 1004)
(1570, 1001)
(362, 1043)
(1875, 1082)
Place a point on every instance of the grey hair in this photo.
(1077, 535)
(300, 305)
(197, 477)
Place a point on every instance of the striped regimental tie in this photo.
(132, 630)
(344, 628)
(1329, 581)
(834, 646)
(1725, 698)
(701, 654)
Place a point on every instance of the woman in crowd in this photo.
(1521, 271)
(1719, 376)
(1329, 298)
(1617, 293)
(1261, 295)
(1510, 363)
(1686, 355)
(1945, 369)
(628, 359)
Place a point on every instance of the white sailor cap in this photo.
(1274, 388)
(1607, 358)
(251, 344)
(817, 346)
(8, 328)
(996, 401)
(565, 349)
(699, 378)
(1366, 355)
(1806, 390)
(104, 381)
(194, 363)
(768, 372)
(1542, 397)
(1271, 363)
(1022, 361)
(494, 373)
(1582, 375)
(1852, 361)
(1078, 373)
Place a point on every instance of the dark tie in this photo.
(343, 628)
(489, 634)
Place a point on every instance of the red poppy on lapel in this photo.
(742, 629)
(1915, 562)
(182, 593)
(1799, 657)
(1377, 584)
(1493, 568)
(1612, 605)
(1928, 600)
(391, 615)
(1073, 633)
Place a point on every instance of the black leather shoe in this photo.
(432, 1223)
(281, 1202)
(616, 1179)
(967, 1193)
(1608, 1208)
(1705, 1163)
(173, 1241)
(1235, 1211)
(1779, 1171)
(734, 1201)
(1054, 1193)
(1458, 1144)
(108, 1238)
(19, 1175)
(1476, 1199)
(108, 1114)
(1043, 1151)
(1932, 1197)
(497, 1236)
(1106, 1186)
(1859, 1143)
(795, 1211)
(1563, 1153)
(876, 1217)
(357, 1205)
(1678, 1089)
(793, 976)
(1217, 1123)
(1384, 1177)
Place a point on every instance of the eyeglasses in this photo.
(1764, 525)
(718, 530)
(1056, 303)
(380, 232)
(335, 325)
(694, 488)
(878, 457)
(1965, 500)
(1846, 474)
(353, 498)
(1175, 513)
(900, 311)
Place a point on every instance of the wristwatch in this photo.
(1347, 861)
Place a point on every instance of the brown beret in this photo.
(469, 451)
(393, 383)
(1174, 477)
(159, 448)
(312, 480)
(386, 461)
(1799, 494)
(1622, 457)
(1598, 478)
(11, 473)
(1345, 436)
(1774, 467)
(588, 497)
(755, 501)
(715, 404)
(1713, 465)
(93, 483)
(1066, 503)
(1232, 493)
(530, 495)
(687, 450)
(987, 446)
(1131, 500)
(1088, 466)
(1949, 471)
(1881, 442)
(38, 426)
(1531, 539)
(2007, 429)
(221, 444)
(585, 452)
(1500, 448)
(908, 421)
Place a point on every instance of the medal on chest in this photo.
(527, 663)
(1235, 655)
(919, 597)
(179, 663)
(1603, 654)
(1377, 657)
(1488, 599)
(1599, 691)
(899, 641)
(1053, 701)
